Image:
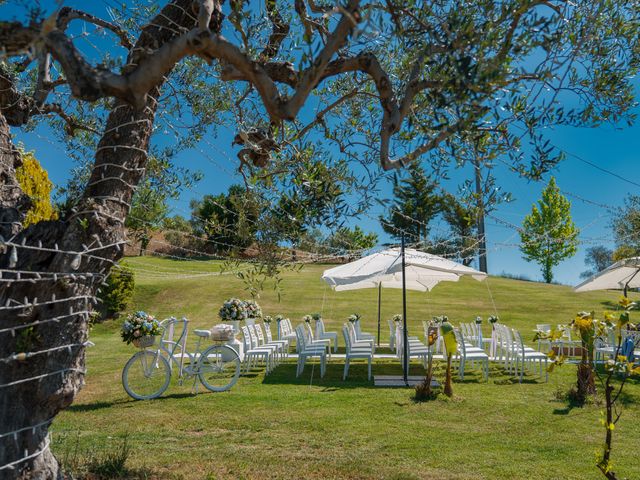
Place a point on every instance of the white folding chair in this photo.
(365, 353)
(306, 351)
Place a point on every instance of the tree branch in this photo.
(279, 32)
(67, 14)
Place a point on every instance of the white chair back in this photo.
(347, 338)
(267, 331)
(301, 337)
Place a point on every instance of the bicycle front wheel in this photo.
(219, 368)
(146, 375)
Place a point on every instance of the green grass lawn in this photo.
(282, 427)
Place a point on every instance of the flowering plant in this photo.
(493, 319)
(253, 309)
(354, 317)
(397, 317)
(267, 319)
(316, 316)
(307, 318)
(440, 319)
(478, 320)
(233, 309)
(139, 324)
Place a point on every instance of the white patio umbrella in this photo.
(423, 271)
(621, 275)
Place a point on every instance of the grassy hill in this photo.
(282, 427)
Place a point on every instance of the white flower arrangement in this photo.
(253, 309)
(267, 319)
(137, 325)
(493, 319)
(307, 318)
(397, 318)
(232, 310)
(478, 320)
(354, 317)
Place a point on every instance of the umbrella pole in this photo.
(626, 285)
(405, 343)
(379, 294)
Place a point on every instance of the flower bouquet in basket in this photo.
(141, 329)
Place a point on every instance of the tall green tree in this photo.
(548, 233)
(415, 204)
(461, 219)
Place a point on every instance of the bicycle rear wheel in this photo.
(146, 375)
(219, 368)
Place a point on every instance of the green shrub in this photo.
(118, 292)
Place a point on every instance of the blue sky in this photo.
(616, 150)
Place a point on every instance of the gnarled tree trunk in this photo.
(52, 270)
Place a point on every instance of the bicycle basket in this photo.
(222, 333)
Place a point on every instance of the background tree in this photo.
(34, 182)
(414, 205)
(345, 241)
(148, 209)
(548, 233)
(226, 220)
(461, 219)
(626, 228)
(392, 82)
(597, 259)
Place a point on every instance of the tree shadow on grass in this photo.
(126, 402)
(285, 374)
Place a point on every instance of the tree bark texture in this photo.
(52, 270)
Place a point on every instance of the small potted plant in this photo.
(141, 329)
(233, 311)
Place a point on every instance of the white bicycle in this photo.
(147, 374)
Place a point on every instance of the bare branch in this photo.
(312, 75)
(43, 84)
(320, 115)
(71, 123)
(66, 14)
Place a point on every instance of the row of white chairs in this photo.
(261, 348)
